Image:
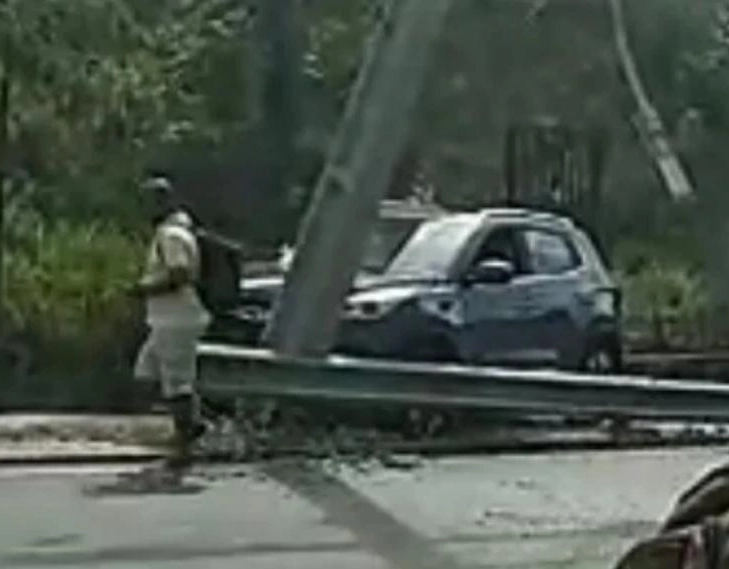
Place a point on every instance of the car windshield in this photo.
(386, 240)
(433, 248)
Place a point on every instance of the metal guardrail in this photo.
(241, 372)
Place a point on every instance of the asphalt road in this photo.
(570, 510)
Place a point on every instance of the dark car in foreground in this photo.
(499, 286)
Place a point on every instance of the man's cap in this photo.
(158, 184)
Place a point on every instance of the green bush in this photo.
(65, 291)
(667, 305)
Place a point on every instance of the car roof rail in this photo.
(405, 209)
(529, 214)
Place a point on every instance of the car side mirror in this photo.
(491, 271)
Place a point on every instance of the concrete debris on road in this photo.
(249, 438)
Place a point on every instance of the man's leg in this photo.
(147, 375)
(177, 349)
(188, 428)
(146, 366)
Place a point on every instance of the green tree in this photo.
(98, 86)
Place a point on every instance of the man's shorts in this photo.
(169, 356)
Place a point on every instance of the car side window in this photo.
(501, 244)
(550, 253)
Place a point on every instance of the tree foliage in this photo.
(99, 91)
(98, 86)
(102, 89)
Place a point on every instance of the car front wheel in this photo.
(602, 357)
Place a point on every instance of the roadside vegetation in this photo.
(100, 90)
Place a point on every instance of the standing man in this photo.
(176, 317)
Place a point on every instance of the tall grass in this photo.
(65, 291)
(668, 306)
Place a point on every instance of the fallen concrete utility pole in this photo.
(370, 139)
(647, 121)
(238, 372)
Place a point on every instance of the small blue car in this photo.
(497, 287)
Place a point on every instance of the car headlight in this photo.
(368, 309)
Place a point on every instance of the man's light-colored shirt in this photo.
(174, 246)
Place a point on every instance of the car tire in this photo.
(602, 356)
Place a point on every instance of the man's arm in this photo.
(174, 279)
(178, 261)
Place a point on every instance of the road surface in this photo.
(569, 510)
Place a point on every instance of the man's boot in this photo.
(187, 429)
